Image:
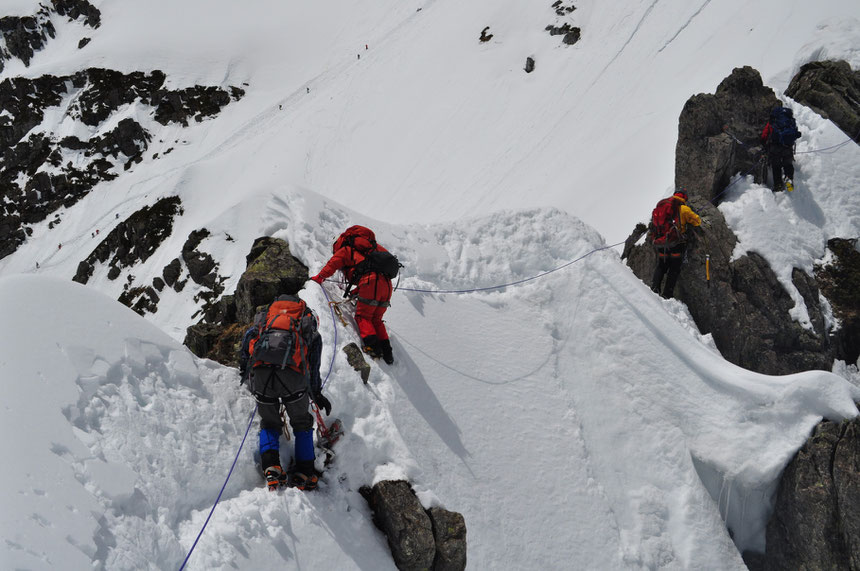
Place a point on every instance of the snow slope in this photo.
(542, 412)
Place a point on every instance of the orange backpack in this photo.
(280, 341)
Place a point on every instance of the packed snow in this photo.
(576, 420)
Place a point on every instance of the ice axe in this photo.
(327, 434)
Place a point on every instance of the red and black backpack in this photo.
(373, 257)
(666, 224)
(282, 338)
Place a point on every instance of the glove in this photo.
(323, 403)
(317, 279)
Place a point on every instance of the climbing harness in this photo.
(284, 428)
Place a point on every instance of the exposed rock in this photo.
(74, 9)
(399, 514)
(571, 34)
(561, 9)
(171, 272)
(743, 306)
(839, 281)
(201, 337)
(530, 64)
(356, 360)
(831, 89)
(449, 532)
(26, 35)
(140, 299)
(133, 240)
(201, 267)
(485, 37)
(271, 271)
(83, 42)
(706, 156)
(816, 519)
(33, 182)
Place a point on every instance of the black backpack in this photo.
(785, 131)
(378, 261)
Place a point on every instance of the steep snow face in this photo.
(576, 418)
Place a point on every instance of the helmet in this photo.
(681, 193)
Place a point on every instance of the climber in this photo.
(280, 359)
(778, 137)
(668, 229)
(367, 267)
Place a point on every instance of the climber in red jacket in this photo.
(355, 254)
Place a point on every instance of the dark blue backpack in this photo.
(784, 127)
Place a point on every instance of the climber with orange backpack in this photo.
(280, 359)
(667, 233)
(368, 269)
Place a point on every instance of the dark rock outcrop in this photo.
(25, 35)
(37, 159)
(839, 281)
(271, 271)
(561, 9)
(133, 240)
(706, 156)
(418, 538)
(74, 9)
(744, 306)
(530, 64)
(449, 532)
(356, 360)
(831, 89)
(571, 34)
(816, 519)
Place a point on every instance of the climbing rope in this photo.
(190, 551)
(518, 282)
(334, 323)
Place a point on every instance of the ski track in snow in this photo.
(686, 24)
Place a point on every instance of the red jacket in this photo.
(371, 286)
(766, 133)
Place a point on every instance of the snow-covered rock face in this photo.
(763, 315)
(832, 89)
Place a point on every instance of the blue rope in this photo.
(512, 283)
(334, 347)
(190, 551)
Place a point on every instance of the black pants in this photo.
(669, 262)
(781, 163)
(271, 387)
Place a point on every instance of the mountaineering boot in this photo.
(789, 184)
(304, 476)
(370, 345)
(385, 347)
(275, 477)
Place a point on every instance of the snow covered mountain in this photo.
(576, 420)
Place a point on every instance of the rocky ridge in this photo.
(40, 174)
